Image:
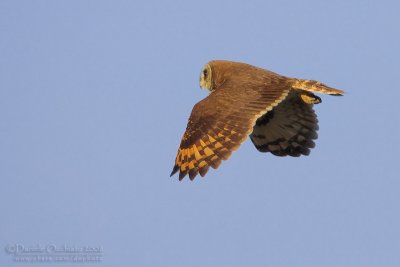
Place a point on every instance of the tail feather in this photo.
(315, 87)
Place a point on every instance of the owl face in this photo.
(206, 78)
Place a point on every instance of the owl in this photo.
(244, 100)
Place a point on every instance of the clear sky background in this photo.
(94, 98)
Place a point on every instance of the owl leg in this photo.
(310, 98)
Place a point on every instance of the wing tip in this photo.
(338, 94)
(174, 170)
(192, 173)
(182, 175)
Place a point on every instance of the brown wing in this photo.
(221, 122)
(288, 129)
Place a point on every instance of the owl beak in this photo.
(202, 84)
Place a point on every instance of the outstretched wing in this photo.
(288, 129)
(221, 122)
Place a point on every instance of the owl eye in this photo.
(205, 73)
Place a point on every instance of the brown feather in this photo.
(222, 121)
(243, 100)
(289, 129)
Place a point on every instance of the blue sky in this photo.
(94, 98)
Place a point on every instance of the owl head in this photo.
(206, 76)
(217, 72)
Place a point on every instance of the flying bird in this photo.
(244, 100)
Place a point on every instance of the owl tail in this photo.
(315, 87)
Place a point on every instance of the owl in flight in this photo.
(276, 111)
